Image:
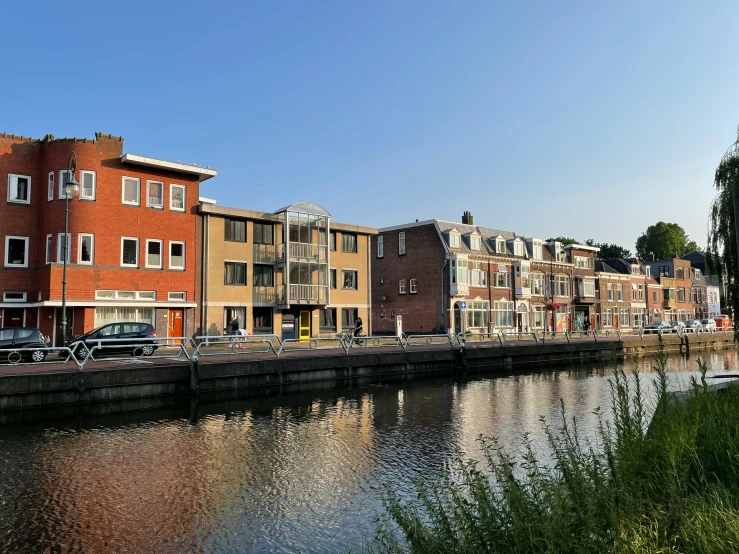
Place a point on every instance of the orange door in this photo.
(175, 328)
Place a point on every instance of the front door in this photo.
(175, 327)
(457, 319)
(13, 317)
(304, 325)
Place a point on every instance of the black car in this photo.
(141, 340)
(14, 338)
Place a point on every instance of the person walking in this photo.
(357, 328)
(233, 329)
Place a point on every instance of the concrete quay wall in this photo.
(141, 386)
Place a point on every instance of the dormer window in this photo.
(648, 271)
(697, 273)
(475, 242)
(454, 239)
(635, 269)
(500, 246)
(518, 248)
(536, 250)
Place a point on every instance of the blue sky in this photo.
(584, 119)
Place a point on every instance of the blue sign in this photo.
(463, 305)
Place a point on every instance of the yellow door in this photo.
(304, 325)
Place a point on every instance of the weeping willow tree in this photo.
(721, 257)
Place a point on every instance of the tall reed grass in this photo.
(669, 485)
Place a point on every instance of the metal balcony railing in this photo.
(306, 251)
(267, 296)
(266, 253)
(308, 294)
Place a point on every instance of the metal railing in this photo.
(18, 356)
(317, 343)
(373, 341)
(417, 340)
(236, 344)
(145, 347)
(481, 337)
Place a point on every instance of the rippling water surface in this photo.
(297, 473)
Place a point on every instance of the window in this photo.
(453, 272)
(129, 252)
(349, 318)
(474, 242)
(620, 292)
(462, 271)
(60, 244)
(664, 271)
(625, 319)
(502, 280)
(539, 313)
(518, 248)
(454, 240)
(681, 294)
(348, 279)
(131, 191)
(607, 317)
(413, 286)
(87, 182)
(50, 191)
(500, 246)
(14, 297)
(401, 243)
(380, 247)
(537, 284)
(333, 278)
(48, 249)
(679, 273)
(177, 198)
(235, 273)
(588, 288)
(235, 230)
(177, 296)
(561, 285)
(401, 286)
(525, 272)
(641, 293)
(503, 313)
(697, 273)
(111, 314)
(19, 189)
(327, 320)
(478, 278)
(86, 247)
(477, 315)
(176, 255)
(155, 194)
(16, 251)
(610, 291)
(348, 242)
(536, 250)
(262, 319)
(154, 253)
(668, 294)
(582, 262)
(263, 275)
(332, 241)
(682, 315)
(263, 233)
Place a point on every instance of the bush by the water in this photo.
(669, 486)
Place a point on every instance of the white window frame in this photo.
(80, 238)
(63, 184)
(184, 253)
(171, 198)
(182, 296)
(454, 240)
(474, 242)
(500, 247)
(48, 244)
(50, 186)
(401, 243)
(59, 249)
(536, 250)
(7, 251)
(401, 286)
(381, 247)
(22, 299)
(138, 254)
(10, 181)
(160, 206)
(138, 191)
(413, 286)
(161, 254)
(518, 248)
(84, 172)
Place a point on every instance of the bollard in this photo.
(194, 375)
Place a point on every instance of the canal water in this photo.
(290, 473)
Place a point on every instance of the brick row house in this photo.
(676, 277)
(132, 236)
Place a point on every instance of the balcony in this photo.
(268, 296)
(523, 292)
(306, 251)
(459, 289)
(268, 253)
(667, 303)
(308, 294)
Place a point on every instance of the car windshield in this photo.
(704, 321)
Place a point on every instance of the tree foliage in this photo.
(664, 240)
(566, 240)
(609, 250)
(722, 259)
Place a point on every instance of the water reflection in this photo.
(288, 474)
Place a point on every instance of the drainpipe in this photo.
(443, 311)
(204, 286)
(369, 282)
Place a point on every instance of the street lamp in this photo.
(71, 189)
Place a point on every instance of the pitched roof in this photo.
(603, 267)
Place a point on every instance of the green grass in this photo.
(671, 486)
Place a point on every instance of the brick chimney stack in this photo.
(467, 218)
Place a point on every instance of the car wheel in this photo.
(81, 352)
(147, 350)
(38, 356)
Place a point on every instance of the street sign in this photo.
(463, 305)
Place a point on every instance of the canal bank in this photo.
(142, 382)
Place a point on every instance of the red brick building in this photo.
(132, 236)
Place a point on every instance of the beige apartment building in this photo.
(293, 273)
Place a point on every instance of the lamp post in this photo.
(71, 189)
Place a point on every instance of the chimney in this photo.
(467, 218)
(650, 257)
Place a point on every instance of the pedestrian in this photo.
(233, 330)
(586, 324)
(357, 326)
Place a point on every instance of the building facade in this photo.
(293, 273)
(131, 244)
(674, 275)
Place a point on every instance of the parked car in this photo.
(658, 326)
(694, 325)
(14, 338)
(677, 325)
(723, 322)
(709, 323)
(142, 340)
